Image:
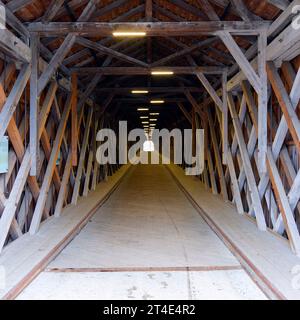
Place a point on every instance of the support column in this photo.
(34, 103)
(262, 103)
(74, 130)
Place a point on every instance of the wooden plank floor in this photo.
(24, 258)
(267, 252)
(146, 241)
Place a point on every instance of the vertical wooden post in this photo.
(217, 156)
(148, 14)
(63, 188)
(235, 185)
(211, 173)
(34, 103)
(193, 132)
(96, 164)
(224, 119)
(82, 158)
(88, 174)
(262, 103)
(74, 130)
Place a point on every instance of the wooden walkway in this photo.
(146, 242)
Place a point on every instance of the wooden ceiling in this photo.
(168, 50)
(135, 10)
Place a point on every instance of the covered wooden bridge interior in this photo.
(232, 69)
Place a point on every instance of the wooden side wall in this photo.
(270, 198)
(27, 200)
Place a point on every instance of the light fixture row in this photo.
(129, 34)
(157, 101)
(152, 102)
(148, 127)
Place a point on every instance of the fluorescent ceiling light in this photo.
(144, 117)
(162, 73)
(142, 109)
(128, 34)
(139, 91)
(154, 113)
(145, 122)
(152, 119)
(157, 101)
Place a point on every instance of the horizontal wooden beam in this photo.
(150, 89)
(138, 100)
(146, 71)
(151, 28)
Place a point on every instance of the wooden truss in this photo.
(51, 111)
